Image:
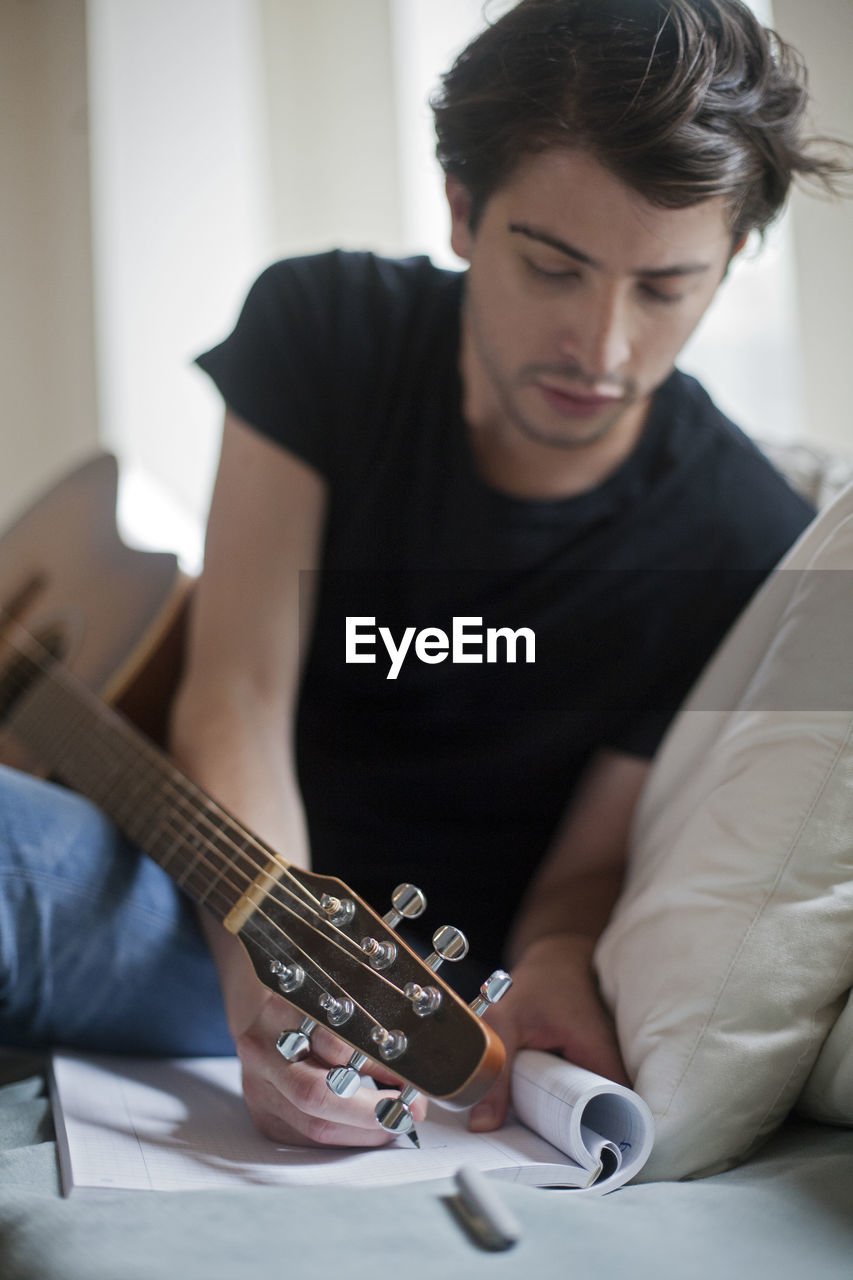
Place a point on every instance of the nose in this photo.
(599, 337)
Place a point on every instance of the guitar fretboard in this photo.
(96, 751)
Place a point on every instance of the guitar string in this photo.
(266, 923)
(61, 677)
(261, 921)
(269, 930)
(319, 921)
(266, 926)
(57, 676)
(183, 786)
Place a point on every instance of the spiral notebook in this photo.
(155, 1124)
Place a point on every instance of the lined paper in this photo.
(181, 1124)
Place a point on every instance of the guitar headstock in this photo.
(315, 942)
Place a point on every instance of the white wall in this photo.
(333, 154)
(823, 229)
(181, 224)
(226, 132)
(47, 357)
(427, 35)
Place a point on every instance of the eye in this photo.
(654, 294)
(550, 273)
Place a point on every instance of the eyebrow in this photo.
(562, 246)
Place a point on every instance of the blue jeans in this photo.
(98, 948)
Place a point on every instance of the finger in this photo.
(295, 1105)
(604, 1059)
(490, 1112)
(279, 1017)
(326, 1047)
(291, 1101)
(598, 1051)
(299, 1108)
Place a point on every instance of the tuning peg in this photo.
(407, 902)
(395, 1114)
(424, 1000)
(288, 976)
(493, 989)
(391, 1044)
(345, 1081)
(450, 944)
(338, 1010)
(295, 1045)
(380, 955)
(338, 910)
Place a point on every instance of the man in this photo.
(422, 451)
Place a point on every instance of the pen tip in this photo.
(415, 1139)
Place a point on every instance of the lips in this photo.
(576, 403)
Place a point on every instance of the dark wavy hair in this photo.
(680, 99)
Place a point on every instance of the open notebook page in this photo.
(181, 1124)
(596, 1121)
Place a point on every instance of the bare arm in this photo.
(577, 884)
(233, 732)
(232, 719)
(554, 1002)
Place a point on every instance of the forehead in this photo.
(572, 196)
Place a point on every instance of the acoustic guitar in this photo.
(90, 645)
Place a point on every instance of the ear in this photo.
(737, 247)
(459, 200)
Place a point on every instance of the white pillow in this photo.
(730, 952)
(828, 1092)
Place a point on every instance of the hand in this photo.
(290, 1101)
(553, 1005)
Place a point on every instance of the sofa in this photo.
(728, 964)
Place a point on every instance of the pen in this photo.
(492, 1223)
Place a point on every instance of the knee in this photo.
(40, 822)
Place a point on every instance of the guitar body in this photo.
(90, 647)
(115, 614)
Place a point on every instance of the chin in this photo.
(577, 436)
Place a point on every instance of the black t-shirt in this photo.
(454, 775)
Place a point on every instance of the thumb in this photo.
(490, 1112)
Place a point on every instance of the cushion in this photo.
(828, 1093)
(729, 955)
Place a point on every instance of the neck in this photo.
(523, 468)
(89, 747)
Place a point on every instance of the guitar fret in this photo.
(138, 788)
(199, 848)
(173, 843)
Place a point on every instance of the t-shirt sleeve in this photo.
(274, 369)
